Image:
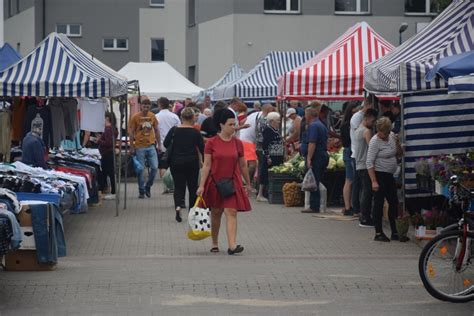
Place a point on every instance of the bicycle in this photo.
(446, 264)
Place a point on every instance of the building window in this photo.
(192, 74)
(115, 44)
(157, 50)
(191, 13)
(157, 3)
(421, 7)
(281, 6)
(71, 30)
(352, 6)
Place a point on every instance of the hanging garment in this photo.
(57, 117)
(5, 134)
(93, 114)
(71, 121)
(18, 117)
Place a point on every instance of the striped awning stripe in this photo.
(260, 83)
(405, 68)
(232, 75)
(59, 68)
(336, 72)
(435, 123)
(464, 84)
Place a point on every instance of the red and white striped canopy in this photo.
(338, 71)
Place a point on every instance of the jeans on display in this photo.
(365, 195)
(48, 232)
(185, 176)
(319, 164)
(355, 194)
(387, 190)
(147, 157)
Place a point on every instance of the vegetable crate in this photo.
(276, 181)
(275, 198)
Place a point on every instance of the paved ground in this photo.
(141, 263)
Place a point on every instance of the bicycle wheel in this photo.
(437, 268)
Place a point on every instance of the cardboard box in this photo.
(25, 216)
(25, 260)
(28, 242)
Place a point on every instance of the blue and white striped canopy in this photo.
(59, 68)
(435, 123)
(260, 83)
(233, 74)
(405, 68)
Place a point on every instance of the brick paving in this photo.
(141, 263)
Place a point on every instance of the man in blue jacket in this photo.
(33, 146)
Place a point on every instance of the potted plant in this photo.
(403, 224)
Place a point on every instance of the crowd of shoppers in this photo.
(205, 146)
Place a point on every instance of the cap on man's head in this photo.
(290, 111)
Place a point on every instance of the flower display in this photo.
(442, 168)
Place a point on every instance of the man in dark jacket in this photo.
(33, 146)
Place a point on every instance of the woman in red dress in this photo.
(224, 158)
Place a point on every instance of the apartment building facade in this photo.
(202, 38)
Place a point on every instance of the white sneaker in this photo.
(109, 197)
(262, 199)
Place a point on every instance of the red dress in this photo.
(225, 158)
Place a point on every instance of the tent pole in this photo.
(402, 130)
(114, 160)
(126, 155)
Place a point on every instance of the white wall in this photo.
(216, 49)
(167, 23)
(21, 29)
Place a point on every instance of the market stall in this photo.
(49, 79)
(434, 121)
(260, 83)
(159, 79)
(337, 72)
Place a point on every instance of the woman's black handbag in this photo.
(225, 186)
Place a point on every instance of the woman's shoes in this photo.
(261, 199)
(178, 215)
(237, 249)
(214, 249)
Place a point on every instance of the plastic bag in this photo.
(309, 182)
(137, 165)
(168, 180)
(199, 220)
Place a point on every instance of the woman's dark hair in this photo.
(348, 112)
(221, 117)
(112, 119)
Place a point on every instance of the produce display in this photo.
(296, 166)
(292, 195)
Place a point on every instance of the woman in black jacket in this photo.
(186, 151)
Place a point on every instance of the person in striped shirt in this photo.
(384, 149)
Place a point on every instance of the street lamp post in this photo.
(403, 28)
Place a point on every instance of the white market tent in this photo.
(159, 79)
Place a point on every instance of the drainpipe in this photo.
(44, 19)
